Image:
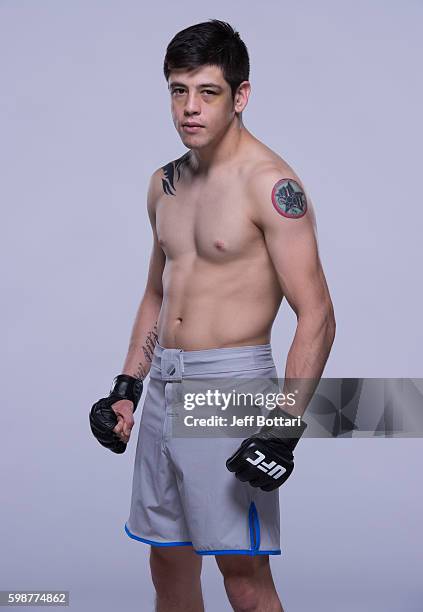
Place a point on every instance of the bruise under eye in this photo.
(289, 199)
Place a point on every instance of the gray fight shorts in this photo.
(182, 492)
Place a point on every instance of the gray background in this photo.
(84, 120)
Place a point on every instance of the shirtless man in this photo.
(233, 233)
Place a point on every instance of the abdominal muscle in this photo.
(216, 305)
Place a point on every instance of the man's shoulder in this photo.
(266, 166)
(164, 178)
(271, 182)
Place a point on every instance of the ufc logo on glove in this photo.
(271, 452)
(272, 468)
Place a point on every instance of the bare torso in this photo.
(220, 287)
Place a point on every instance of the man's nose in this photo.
(192, 104)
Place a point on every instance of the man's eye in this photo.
(209, 91)
(177, 90)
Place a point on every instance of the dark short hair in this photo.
(211, 42)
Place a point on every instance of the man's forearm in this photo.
(143, 337)
(307, 357)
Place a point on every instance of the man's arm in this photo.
(108, 411)
(144, 331)
(282, 210)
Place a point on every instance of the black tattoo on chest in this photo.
(172, 173)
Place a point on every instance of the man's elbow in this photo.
(153, 294)
(329, 324)
(321, 322)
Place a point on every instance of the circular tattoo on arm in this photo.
(289, 199)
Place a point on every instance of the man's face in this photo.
(202, 105)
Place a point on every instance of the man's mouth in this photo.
(191, 128)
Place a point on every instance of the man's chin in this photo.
(194, 143)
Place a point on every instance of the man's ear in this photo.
(241, 96)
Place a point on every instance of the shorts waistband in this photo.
(173, 364)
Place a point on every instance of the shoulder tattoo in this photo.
(172, 172)
(289, 199)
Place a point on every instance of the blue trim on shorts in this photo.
(248, 551)
(153, 543)
(254, 527)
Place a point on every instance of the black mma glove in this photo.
(266, 459)
(103, 418)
